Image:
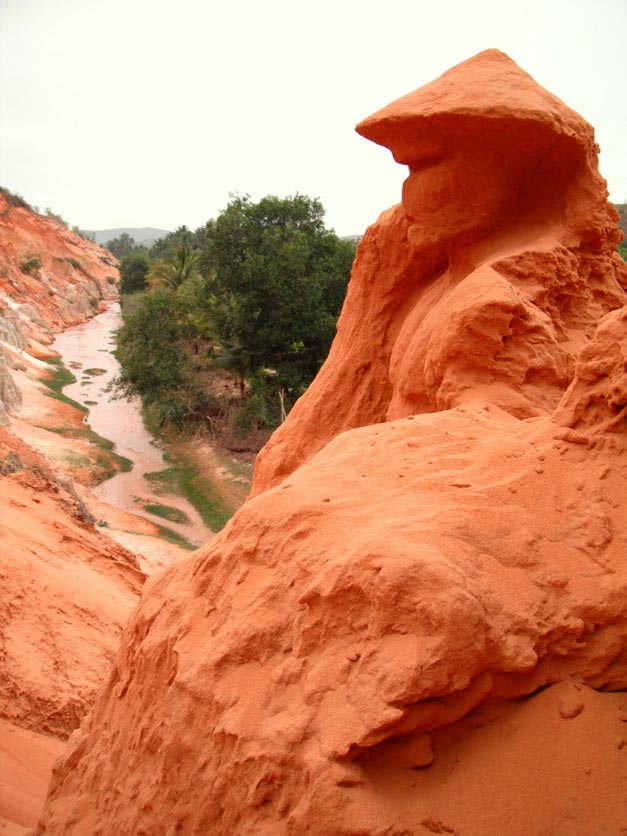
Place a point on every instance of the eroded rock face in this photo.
(449, 537)
(10, 396)
(50, 278)
(489, 278)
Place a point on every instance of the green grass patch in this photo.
(177, 539)
(60, 377)
(183, 479)
(94, 372)
(174, 515)
(240, 469)
(169, 536)
(91, 403)
(106, 461)
(76, 460)
(109, 462)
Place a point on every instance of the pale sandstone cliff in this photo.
(418, 624)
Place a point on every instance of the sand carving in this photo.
(438, 531)
(488, 279)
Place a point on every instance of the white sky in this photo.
(148, 113)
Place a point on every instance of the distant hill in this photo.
(143, 235)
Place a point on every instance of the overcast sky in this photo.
(148, 113)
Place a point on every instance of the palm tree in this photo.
(175, 269)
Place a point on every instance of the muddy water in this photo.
(89, 347)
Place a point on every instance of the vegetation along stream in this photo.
(88, 350)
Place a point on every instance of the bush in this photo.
(31, 264)
(15, 199)
(133, 270)
(261, 406)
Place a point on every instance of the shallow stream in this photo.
(87, 350)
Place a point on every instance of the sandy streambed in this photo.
(87, 351)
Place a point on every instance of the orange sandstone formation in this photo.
(65, 595)
(489, 278)
(52, 276)
(418, 624)
(65, 590)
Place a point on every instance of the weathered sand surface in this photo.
(418, 624)
(65, 590)
(65, 594)
(26, 760)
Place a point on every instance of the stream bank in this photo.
(157, 488)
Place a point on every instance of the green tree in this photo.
(182, 236)
(279, 279)
(123, 245)
(133, 270)
(149, 346)
(155, 362)
(176, 269)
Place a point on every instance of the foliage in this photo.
(148, 347)
(155, 363)
(181, 237)
(183, 478)
(74, 262)
(54, 216)
(31, 264)
(278, 278)
(256, 292)
(123, 246)
(168, 512)
(174, 269)
(261, 408)
(133, 270)
(15, 199)
(175, 538)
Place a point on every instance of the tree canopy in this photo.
(133, 270)
(255, 292)
(175, 268)
(279, 278)
(123, 246)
